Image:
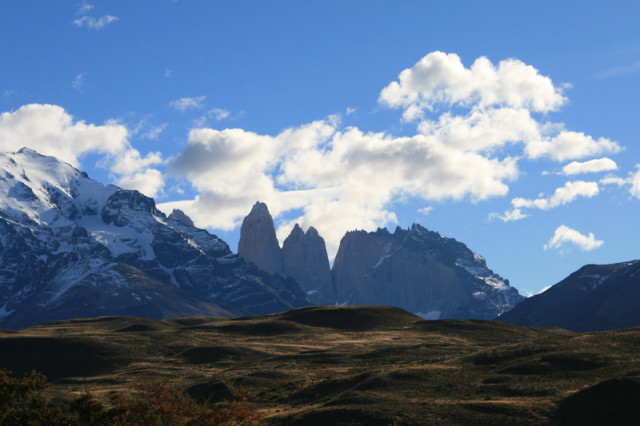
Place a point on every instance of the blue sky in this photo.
(510, 126)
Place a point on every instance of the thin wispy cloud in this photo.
(95, 24)
(86, 21)
(184, 104)
(620, 71)
(79, 82)
(84, 8)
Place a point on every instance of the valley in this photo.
(345, 365)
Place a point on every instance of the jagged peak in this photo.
(296, 231)
(181, 217)
(312, 232)
(259, 208)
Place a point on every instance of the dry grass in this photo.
(328, 365)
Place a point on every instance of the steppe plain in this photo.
(347, 365)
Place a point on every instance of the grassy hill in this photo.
(346, 365)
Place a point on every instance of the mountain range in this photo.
(72, 247)
(414, 269)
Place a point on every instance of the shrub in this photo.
(154, 403)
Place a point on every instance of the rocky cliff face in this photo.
(305, 260)
(594, 298)
(72, 247)
(258, 242)
(420, 271)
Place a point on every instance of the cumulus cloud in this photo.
(563, 195)
(487, 106)
(569, 145)
(150, 182)
(50, 130)
(425, 210)
(184, 104)
(564, 236)
(591, 166)
(474, 125)
(341, 178)
(441, 78)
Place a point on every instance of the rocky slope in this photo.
(420, 271)
(594, 298)
(72, 247)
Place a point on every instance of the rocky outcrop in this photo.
(258, 242)
(305, 260)
(420, 271)
(600, 297)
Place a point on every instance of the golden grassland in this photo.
(345, 365)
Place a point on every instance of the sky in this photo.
(509, 126)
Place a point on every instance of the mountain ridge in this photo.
(71, 246)
(602, 297)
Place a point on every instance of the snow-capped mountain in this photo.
(420, 271)
(594, 298)
(72, 247)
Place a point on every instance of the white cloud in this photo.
(50, 130)
(184, 104)
(488, 106)
(566, 236)
(613, 180)
(219, 113)
(95, 24)
(425, 210)
(571, 145)
(634, 180)
(563, 195)
(482, 129)
(342, 179)
(84, 8)
(79, 81)
(509, 215)
(150, 182)
(591, 166)
(474, 126)
(618, 71)
(441, 78)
